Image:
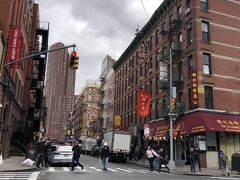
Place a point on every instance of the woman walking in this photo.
(151, 154)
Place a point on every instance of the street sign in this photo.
(146, 129)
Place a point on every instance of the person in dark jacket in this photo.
(76, 155)
(104, 153)
(163, 159)
(40, 151)
(46, 149)
(192, 160)
(197, 157)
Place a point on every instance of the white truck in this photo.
(119, 143)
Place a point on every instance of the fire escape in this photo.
(38, 108)
(172, 40)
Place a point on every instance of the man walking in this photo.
(76, 156)
(192, 159)
(197, 157)
(40, 151)
(163, 159)
(104, 153)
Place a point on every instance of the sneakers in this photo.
(82, 167)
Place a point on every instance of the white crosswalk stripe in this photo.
(66, 169)
(124, 170)
(114, 170)
(95, 169)
(230, 178)
(144, 172)
(19, 175)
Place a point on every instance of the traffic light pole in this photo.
(39, 53)
(171, 162)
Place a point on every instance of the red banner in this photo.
(143, 103)
(14, 46)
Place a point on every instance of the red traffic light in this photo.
(73, 53)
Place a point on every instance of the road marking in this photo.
(114, 170)
(34, 176)
(144, 172)
(79, 168)
(51, 169)
(95, 169)
(225, 178)
(65, 169)
(124, 170)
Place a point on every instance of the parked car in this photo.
(60, 154)
(95, 150)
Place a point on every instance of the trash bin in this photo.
(31, 152)
(236, 162)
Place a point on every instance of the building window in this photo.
(145, 69)
(150, 43)
(180, 74)
(156, 110)
(157, 85)
(180, 41)
(207, 63)
(141, 71)
(205, 31)
(136, 77)
(156, 61)
(150, 63)
(189, 34)
(190, 98)
(204, 4)
(190, 65)
(156, 37)
(188, 6)
(136, 58)
(150, 88)
(179, 12)
(208, 92)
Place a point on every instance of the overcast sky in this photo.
(97, 27)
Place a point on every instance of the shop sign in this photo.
(14, 45)
(117, 120)
(229, 125)
(194, 89)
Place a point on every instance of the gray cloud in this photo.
(98, 27)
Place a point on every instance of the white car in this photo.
(60, 154)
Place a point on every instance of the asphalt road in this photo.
(93, 171)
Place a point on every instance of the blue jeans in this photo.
(105, 163)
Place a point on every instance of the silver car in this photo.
(60, 154)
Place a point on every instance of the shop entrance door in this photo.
(181, 147)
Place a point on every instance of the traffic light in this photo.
(174, 104)
(73, 64)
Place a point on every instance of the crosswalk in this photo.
(98, 169)
(19, 175)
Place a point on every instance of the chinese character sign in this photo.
(14, 45)
(143, 103)
(194, 89)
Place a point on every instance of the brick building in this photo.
(87, 111)
(15, 83)
(202, 37)
(59, 92)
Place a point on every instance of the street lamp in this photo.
(171, 161)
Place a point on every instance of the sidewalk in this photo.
(14, 164)
(186, 170)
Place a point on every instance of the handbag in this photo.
(154, 156)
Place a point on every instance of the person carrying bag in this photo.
(151, 154)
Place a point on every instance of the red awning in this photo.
(207, 121)
(159, 129)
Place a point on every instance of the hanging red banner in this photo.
(143, 103)
(14, 46)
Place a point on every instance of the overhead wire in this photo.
(144, 9)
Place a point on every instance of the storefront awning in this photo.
(159, 129)
(207, 121)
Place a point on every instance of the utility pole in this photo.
(39, 53)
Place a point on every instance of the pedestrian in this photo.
(151, 154)
(46, 151)
(136, 153)
(163, 159)
(76, 155)
(192, 160)
(197, 157)
(104, 153)
(40, 151)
